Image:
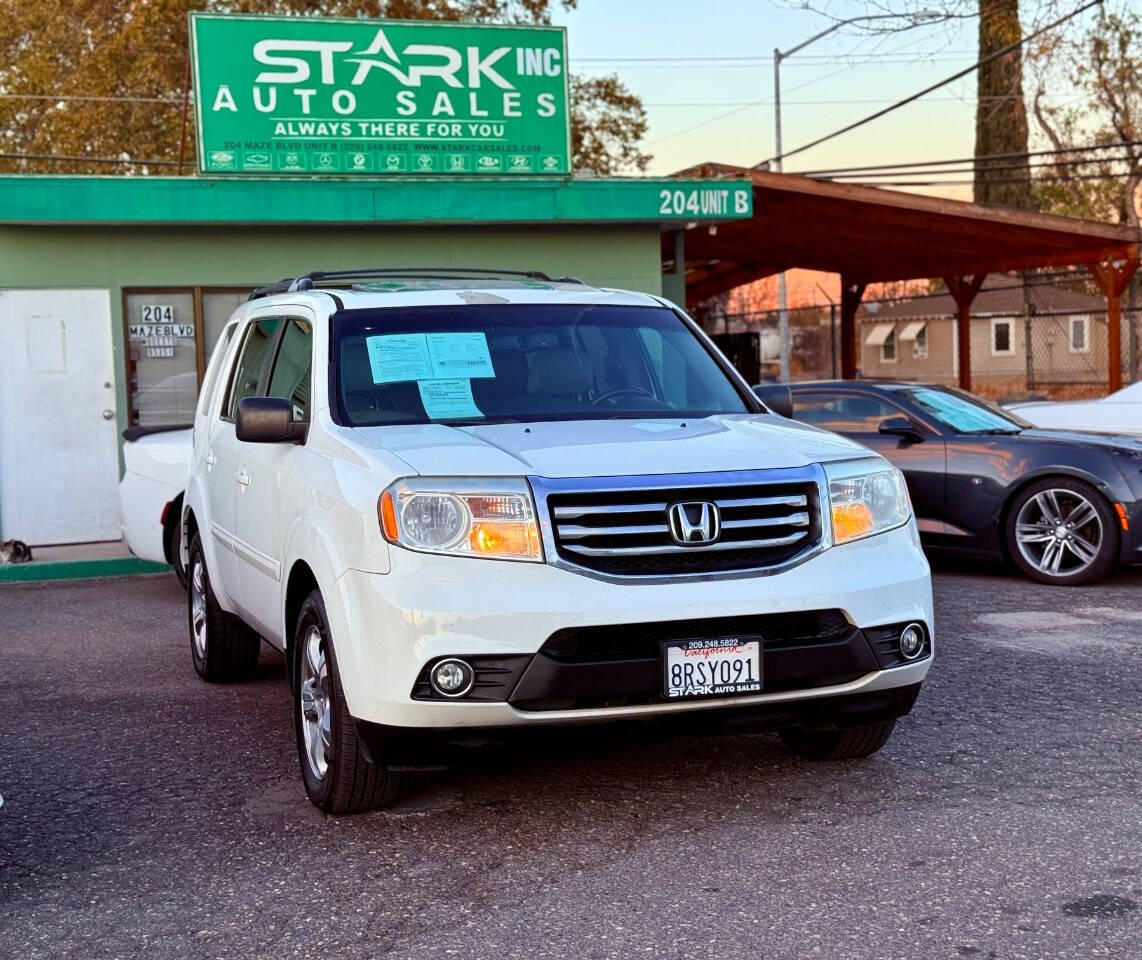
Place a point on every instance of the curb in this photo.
(78, 569)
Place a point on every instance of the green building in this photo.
(113, 289)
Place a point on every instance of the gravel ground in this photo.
(148, 814)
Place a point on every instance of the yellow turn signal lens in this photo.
(388, 516)
(504, 538)
(850, 521)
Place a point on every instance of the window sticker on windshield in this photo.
(399, 357)
(460, 355)
(395, 358)
(448, 399)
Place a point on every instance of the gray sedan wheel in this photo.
(1063, 531)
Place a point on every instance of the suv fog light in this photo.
(911, 641)
(452, 678)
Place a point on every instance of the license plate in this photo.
(709, 668)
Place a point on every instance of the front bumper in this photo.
(1132, 538)
(387, 628)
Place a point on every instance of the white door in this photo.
(265, 469)
(59, 453)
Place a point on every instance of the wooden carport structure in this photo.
(870, 235)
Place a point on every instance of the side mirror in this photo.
(776, 396)
(901, 427)
(268, 420)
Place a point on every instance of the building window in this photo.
(170, 334)
(888, 347)
(920, 344)
(1080, 335)
(915, 335)
(1001, 339)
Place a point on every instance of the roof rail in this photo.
(345, 277)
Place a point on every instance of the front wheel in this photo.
(338, 776)
(848, 743)
(222, 647)
(1063, 531)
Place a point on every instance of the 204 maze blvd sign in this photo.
(309, 95)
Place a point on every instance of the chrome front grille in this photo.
(622, 528)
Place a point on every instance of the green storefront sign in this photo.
(304, 96)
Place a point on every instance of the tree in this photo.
(1104, 65)
(108, 79)
(607, 123)
(1000, 112)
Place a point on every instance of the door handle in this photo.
(108, 414)
(243, 478)
(210, 459)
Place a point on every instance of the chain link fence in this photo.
(1015, 354)
(753, 344)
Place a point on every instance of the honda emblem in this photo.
(695, 523)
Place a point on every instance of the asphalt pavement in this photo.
(149, 814)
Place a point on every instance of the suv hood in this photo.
(605, 448)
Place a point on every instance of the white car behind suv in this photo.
(462, 502)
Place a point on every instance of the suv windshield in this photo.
(965, 414)
(495, 362)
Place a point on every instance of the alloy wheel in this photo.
(1059, 532)
(198, 608)
(314, 692)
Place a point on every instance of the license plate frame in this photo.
(708, 651)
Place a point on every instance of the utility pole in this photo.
(782, 293)
(832, 328)
(914, 19)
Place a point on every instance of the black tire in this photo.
(172, 546)
(228, 650)
(1106, 556)
(847, 743)
(350, 782)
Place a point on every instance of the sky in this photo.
(723, 110)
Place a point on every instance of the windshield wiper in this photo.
(479, 421)
(991, 431)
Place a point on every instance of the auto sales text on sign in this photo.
(310, 95)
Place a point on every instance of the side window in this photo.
(842, 412)
(290, 378)
(214, 369)
(251, 362)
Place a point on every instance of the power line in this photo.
(988, 156)
(1001, 52)
(989, 181)
(887, 59)
(979, 168)
(739, 109)
(769, 103)
(752, 58)
(704, 123)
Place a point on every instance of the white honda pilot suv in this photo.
(466, 501)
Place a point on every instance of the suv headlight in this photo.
(491, 518)
(866, 498)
